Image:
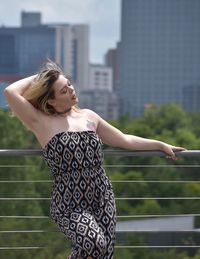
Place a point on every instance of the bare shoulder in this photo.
(90, 113)
(92, 118)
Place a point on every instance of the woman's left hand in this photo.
(170, 150)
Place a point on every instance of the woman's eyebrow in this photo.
(68, 79)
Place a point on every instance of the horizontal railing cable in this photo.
(116, 247)
(24, 217)
(185, 246)
(117, 198)
(118, 216)
(119, 231)
(113, 181)
(21, 247)
(152, 166)
(18, 166)
(116, 166)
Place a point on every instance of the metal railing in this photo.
(27, 152)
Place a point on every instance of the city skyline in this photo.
(103, 18)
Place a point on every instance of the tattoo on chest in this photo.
(91, 125)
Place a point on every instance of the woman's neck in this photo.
(63, 112)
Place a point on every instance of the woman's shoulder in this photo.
(90, 113)
(92, 117)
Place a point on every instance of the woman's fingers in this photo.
(171, 157)
(171, 153)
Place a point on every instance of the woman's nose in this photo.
(71, 88)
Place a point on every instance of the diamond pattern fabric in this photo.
(82, 199)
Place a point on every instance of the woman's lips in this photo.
(74, 96)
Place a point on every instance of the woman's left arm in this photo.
(114, 137)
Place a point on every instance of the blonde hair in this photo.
(41, 89)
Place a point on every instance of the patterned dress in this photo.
(82, 199)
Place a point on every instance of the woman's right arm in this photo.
(22, 108)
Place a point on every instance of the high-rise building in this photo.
(191, 98)
(100, 78)
(159, 52)
(29, 19)
(103, 102)
(99, 95)
(24, 49)
(72, 51)
(112, 60)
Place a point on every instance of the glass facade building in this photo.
(35, 46)
(24, 49)
(159, 52)
(8, 51)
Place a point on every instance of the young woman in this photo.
(82, 201)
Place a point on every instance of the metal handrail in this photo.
(111, 152)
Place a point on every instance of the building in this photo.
(30, 19)
(6, 80)
(169, 231)
(168, 223)
(100, 78)
(159, 52)
(112, 60)
(99, 95)
(72, 52)
(103, 102)
(191, 97)
(24, 49)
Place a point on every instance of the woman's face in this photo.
(64, 94)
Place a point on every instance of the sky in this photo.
(103, 17)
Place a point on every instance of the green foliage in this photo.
(168, 123)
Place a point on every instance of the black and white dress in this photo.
(82, 199)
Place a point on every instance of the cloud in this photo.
(103, 16)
